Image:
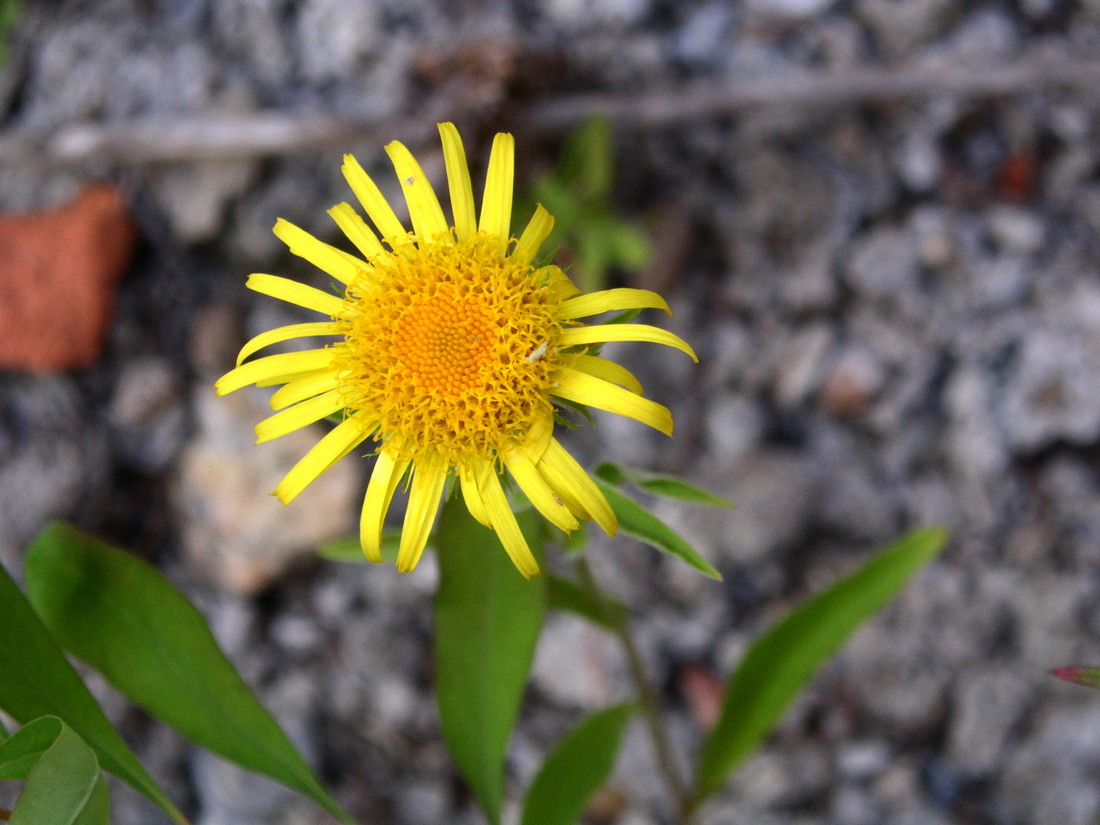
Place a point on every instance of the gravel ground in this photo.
(895, 301)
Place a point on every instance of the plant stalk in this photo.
(647, 696)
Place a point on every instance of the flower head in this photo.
(450, 344)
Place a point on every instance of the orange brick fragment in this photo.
(59, 270)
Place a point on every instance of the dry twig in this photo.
(205, 137)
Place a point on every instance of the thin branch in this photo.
(647, 697)
(819, 90)
(219, 137)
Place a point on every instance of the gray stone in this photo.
(1051, 391)
(902, 27)
(423, 800)
(734, 426)
(195, 196)
(584, 14)
(252, 32)
(52, 464)
(147, 417)
(810, 284)
(1051, 778)
(884, 265)
(577, 664)
(800, 368)
(987, 703)
(233, 530)
(1016, 229)
(703, 37)
(855, 806)
(774, 495)
(335, 36)
(790, 9)
(986, 33)
(784, 777)
(862, 760)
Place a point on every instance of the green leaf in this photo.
(121, 616)
(659, 485)
(588, 159)
(487, 622)
(576, 769)
(632, 249)
(63, 782)
(37, 680)
(19, 753)
(782, 661)
(636, 521)
(97, 810)
(351, 552)
(562, 594)
(1079, 675)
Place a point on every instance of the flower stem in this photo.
(647, 696)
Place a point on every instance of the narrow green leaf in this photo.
(624, 317)
(37, 680)
(61, 781)
(1078, 675)
(636, 521)
(588, 159)
(632, 248)
(487, 622)
(659, 485)
(562, 594)
(19, 753)
(97, 810)
(782, 661)
(351, 552)
(576, 769)
(121, 616)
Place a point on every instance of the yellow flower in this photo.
(450, 345)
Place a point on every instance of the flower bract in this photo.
(450, 345)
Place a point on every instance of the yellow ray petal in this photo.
(538, 230)
(608, 371)
(280, 334)
(458, 181)
(307, 386)
(429, 475)
(595, 392)
(571, 482)
(539, 492)
(602, 333)
(272, 369)
(337, 263)
(380, 489)
(496, 202)
(373, 201)
(336, 444)
(560, 286)
(538, 436)
(608, 300)
(295, 293)
(506, 527)
(357, 231)
(467, 478)
(300, 415)
(287, 378)
(424, 209)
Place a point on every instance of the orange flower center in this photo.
(452, 347)
(446, 346)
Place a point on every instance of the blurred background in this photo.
(877, 221)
